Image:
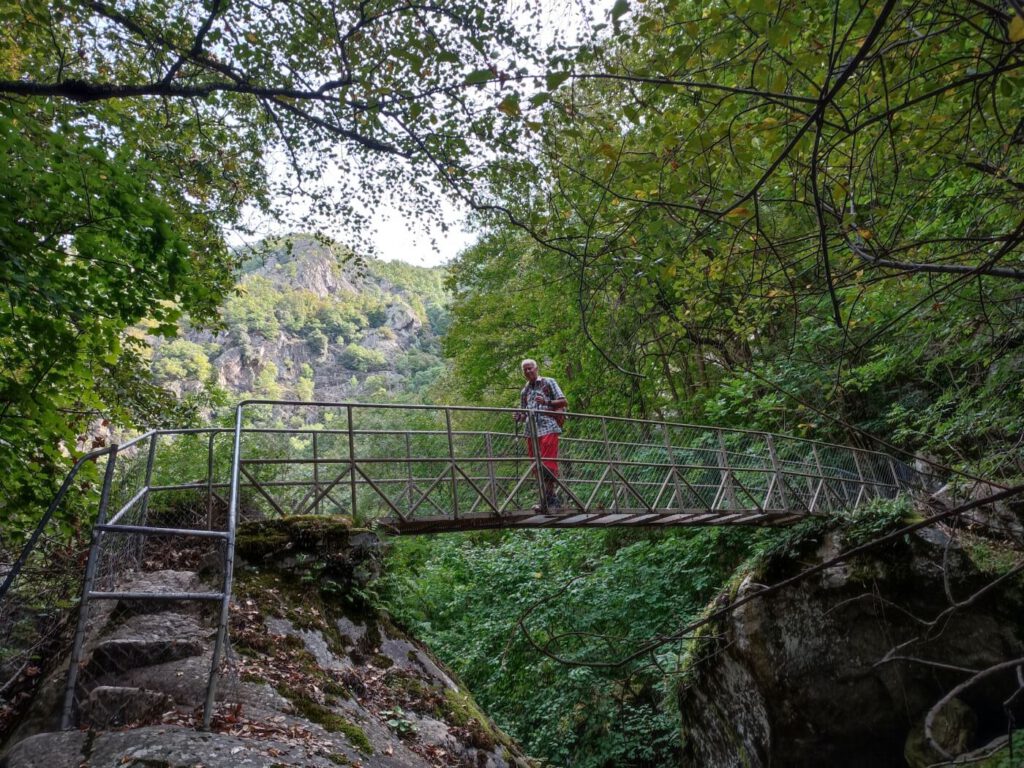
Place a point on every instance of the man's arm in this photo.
(555, 399)
(520, 415)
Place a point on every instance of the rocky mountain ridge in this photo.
(309, 321)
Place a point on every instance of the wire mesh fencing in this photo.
(378, 462)
(419, 468)
(40, 584)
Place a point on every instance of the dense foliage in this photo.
(772, 214)
(93, 242)
(593, 595)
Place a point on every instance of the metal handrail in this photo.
(774, 477)
(510, 411)
(722, 475)
(58, 498)
(104, 527)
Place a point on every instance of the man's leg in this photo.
(552, 496)
(545, 476)
(549, 457)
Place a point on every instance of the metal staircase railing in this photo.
(126, 538)
(120, 541)
(416, 469)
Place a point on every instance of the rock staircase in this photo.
(305, 683)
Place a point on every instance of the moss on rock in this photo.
(330, 720)
(462, 711)
(271, 539)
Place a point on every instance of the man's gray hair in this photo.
(527, 361)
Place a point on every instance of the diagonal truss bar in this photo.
(445, 473)
(379, 492)
(634, 491)
(259, 487)
(480, 494)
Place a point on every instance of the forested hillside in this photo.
(309, 321)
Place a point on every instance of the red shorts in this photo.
(548, 451)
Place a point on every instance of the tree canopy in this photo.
(137, 136)
(763, 214)
(373, 97)
(772, 213)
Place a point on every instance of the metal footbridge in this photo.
(410, 469)
(419, 469)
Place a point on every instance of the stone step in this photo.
(147, 639)
(110, 706)
(160, 583)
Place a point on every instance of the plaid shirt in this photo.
(549, 390)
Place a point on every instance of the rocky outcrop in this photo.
(1004, 519)
(315, 675)
(303, 261)
(841, 669)
(364, 333)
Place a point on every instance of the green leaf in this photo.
(555, 79)
(510, 105)
(1015, 29)
(478, 76)
(779, 35)
(620, 8)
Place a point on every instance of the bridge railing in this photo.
(418, 468)
(170, 499)
(39, 589)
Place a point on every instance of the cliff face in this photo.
(315, 676)
(841, 669)
(308, 322)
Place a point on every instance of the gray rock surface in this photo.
(818, 673)
(109, 706)
(304, 684)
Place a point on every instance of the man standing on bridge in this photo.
(543, 396)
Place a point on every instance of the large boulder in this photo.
(840, 669)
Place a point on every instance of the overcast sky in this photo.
(411, 241)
